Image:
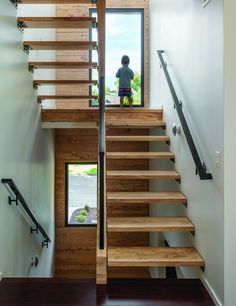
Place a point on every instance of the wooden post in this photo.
(101, 268)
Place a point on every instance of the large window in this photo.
(124, 36)
(81, 194)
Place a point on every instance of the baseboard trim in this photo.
(209, 289)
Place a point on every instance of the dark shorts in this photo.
(124, 92)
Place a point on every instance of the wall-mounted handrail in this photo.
(19, 199)
(101, 7)
(200, 167)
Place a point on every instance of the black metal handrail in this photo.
(14, 191)
(101, 7)
(200, 167)
(102, 161)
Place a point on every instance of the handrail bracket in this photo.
(10, 200)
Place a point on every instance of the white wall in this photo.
(26, 156)
(230, 147)
(193, 39)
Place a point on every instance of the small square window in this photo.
(81, 194)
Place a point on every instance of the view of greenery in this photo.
(135, 87)
(81, 169)
(83, 215)
(82, 193)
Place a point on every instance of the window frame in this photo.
(67, 164)
(123, 10)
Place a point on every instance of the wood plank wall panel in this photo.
(80, 56)
(76, 247)
(71, 34)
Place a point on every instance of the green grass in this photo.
(87, 169)
(91, 171)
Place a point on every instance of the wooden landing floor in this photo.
(71, 292)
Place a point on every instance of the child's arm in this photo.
(132, 74)
(118, 73)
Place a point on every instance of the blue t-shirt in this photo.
(125, 75)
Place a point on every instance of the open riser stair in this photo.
(66, 87)
(128, 197)
(124, 221)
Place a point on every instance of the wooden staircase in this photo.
(83, 23)
(128, 198)
(127, 223)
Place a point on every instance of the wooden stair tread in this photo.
(140, 155)
(134, 110)
(145, 197)
(149, 257)
(150, 224)
(142, 174)
(60, 45)
(134, 124)
(59, 97)
(137, 138)
(64, 82)
(56, 1)
(57, 22)
(94, 109)
(63, 65)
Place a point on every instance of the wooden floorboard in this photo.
(162, 292)
(74, 292)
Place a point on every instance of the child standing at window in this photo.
(125, 75)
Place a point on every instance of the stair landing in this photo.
(88, 118)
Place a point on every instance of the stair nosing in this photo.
(144, 261)
(57, 22)
(143, 138)
(146, 197)
(143, 174)
(150, 224)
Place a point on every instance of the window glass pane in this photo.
(123, 37)
(82, 194)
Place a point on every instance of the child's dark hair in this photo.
(125, 60)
